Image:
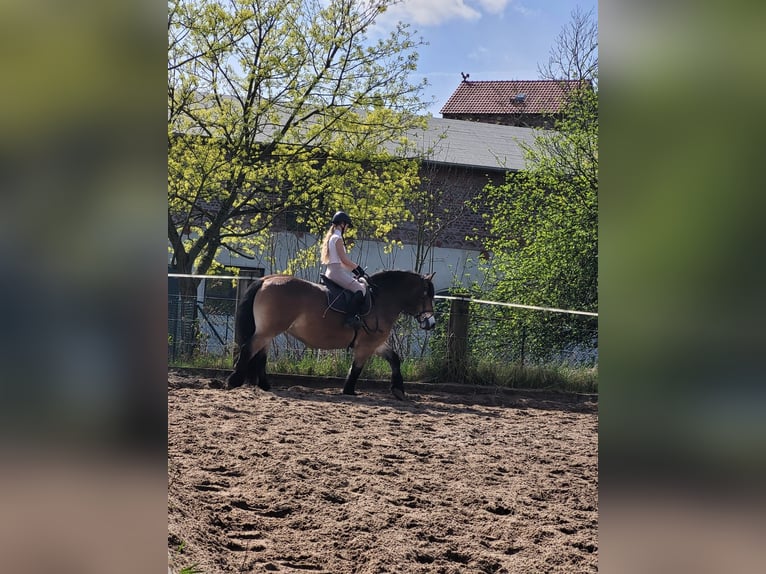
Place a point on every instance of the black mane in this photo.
(394, 280)
(392, 277)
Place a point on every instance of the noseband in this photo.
(425, 318)
(423, 315)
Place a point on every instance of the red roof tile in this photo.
(508, 97)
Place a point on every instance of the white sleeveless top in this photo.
(333, 247)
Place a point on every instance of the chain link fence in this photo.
(468, 333)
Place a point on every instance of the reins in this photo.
(421, 316)
(331, 303)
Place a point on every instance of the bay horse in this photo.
(285, 304)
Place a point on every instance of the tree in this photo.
(544, 220)
(574, 55)
(442, 199)
(283, 106)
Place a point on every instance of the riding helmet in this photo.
(342, 217)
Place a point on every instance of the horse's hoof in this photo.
(234, 381)
(398, 393)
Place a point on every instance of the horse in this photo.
(278, 304)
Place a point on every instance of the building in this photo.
(460, 159)
(521, 103)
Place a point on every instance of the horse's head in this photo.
(406, 292)
(424, 305)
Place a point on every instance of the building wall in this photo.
(451, 235)
(455, 224)
(453, 267)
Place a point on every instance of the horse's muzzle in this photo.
(427, 320)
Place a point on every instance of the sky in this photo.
(488, 39)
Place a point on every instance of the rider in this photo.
(340, 269)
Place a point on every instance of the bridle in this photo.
(425, 318)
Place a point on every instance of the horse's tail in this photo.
(245, 320)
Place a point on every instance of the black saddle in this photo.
(338, 298)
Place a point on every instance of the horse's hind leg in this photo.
(251, 365)
(397, 381)
(256, 371)
(241, 372)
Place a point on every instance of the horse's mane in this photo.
(388, 277)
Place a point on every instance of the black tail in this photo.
(245, 321)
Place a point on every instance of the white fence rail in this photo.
(487, 330)
(447, 297)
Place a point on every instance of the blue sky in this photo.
(488, 39)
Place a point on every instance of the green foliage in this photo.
(544, 224)
(338, 363)
(194, 568)
(543, 221)
(486, 370)
(482, 370)
(542, 377)
(312, 363)
(284, 106)
(198, 360)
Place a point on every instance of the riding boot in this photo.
(354, 307)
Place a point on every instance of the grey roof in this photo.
(475, 144)
(461, 143)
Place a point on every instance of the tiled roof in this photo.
(508, 97)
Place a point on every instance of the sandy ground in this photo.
(305, 479)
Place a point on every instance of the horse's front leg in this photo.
(397, 381)
(353, 375)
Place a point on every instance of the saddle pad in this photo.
(338, 298)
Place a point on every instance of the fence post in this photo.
(457, 338)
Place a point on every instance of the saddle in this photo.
(338, 298)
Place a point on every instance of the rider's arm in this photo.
(344, 258)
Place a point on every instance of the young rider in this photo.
(340, 268)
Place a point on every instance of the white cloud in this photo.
(524, 11)
(435, 12)
(431, 12)
(493, 6)
(478, 53)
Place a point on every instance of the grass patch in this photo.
(203, 362)
(550, 377)
(318, 364)
(485, 372)
(338, 363)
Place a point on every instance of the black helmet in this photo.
(342, 217)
